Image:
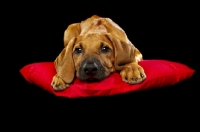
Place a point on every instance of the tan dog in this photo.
(93, 49)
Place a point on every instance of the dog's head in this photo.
(93, 57)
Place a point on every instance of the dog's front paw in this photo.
(133, 74)
(58, 84)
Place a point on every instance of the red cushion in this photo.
(159, 73)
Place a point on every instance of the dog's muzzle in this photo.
(91, 70)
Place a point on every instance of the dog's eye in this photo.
(78, 50)
(105, 49)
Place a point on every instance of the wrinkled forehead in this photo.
(92, 40)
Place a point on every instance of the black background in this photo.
(159, 30)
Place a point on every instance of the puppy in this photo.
(93, 49)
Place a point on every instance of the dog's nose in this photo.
(90, 68)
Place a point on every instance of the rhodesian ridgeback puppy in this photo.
(93, 49)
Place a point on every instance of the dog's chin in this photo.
(92, 79)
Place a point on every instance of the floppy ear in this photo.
(64, 63)
(73, 30)
(124, 53)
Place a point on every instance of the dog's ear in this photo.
(64, 63)
(123, 52)
(72, 31)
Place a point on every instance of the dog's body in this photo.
(93, 49)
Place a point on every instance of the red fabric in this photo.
(159, 73)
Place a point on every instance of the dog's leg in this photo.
(58, 84)
(133, 73)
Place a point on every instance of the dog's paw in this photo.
(133, 74)
(58, 84)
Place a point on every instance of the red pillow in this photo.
(159, 73)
